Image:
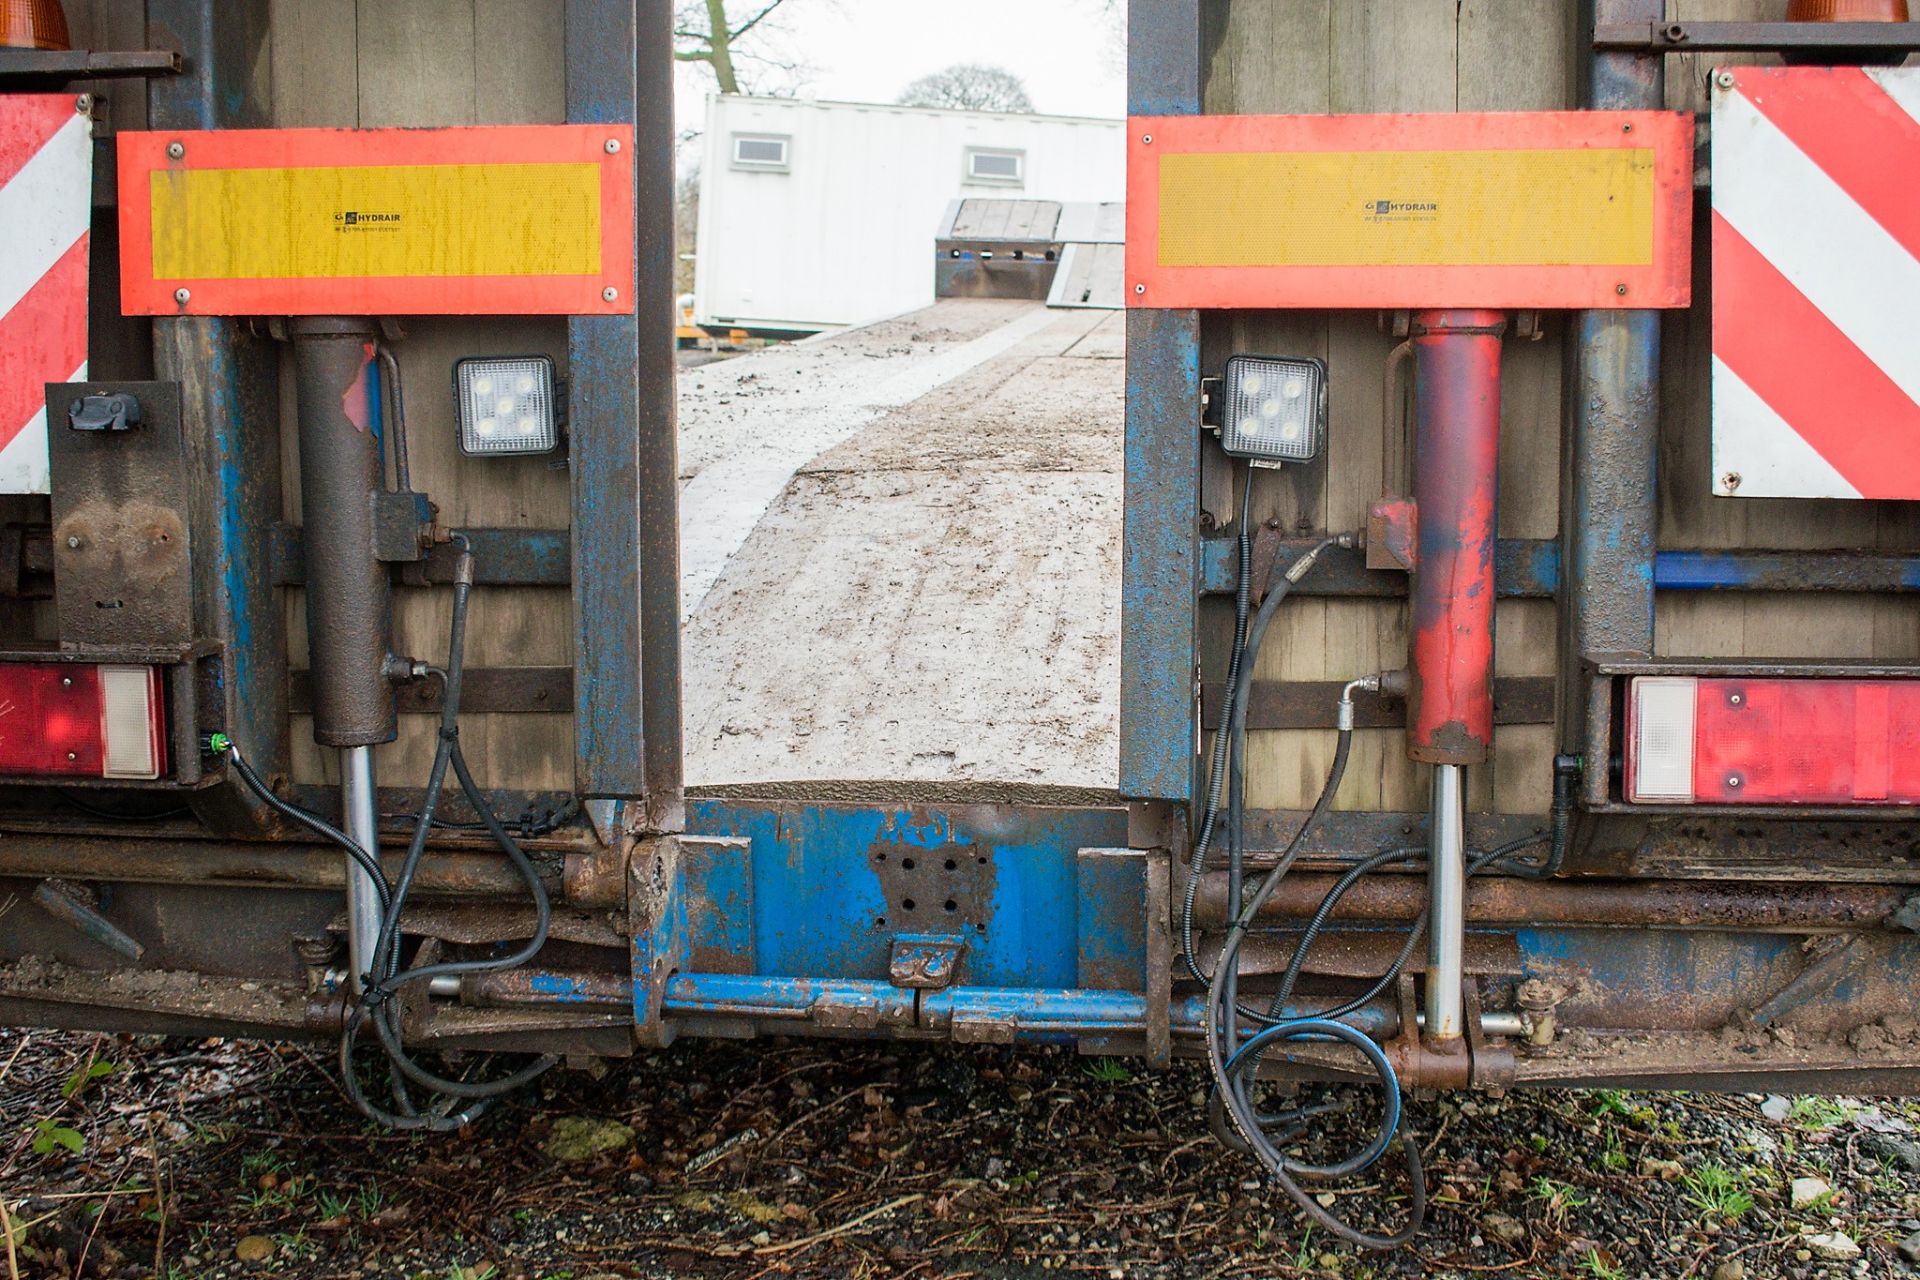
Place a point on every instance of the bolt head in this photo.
(83, 104)
(613, 146)
(181, 295)
(1733, 781)
(1724, 79)
(1139, 288)
(66, 682)
(1146, 139)
(176, 150)
(609, 294)
(1620, 289)
(72, 755)
(73, 542)
(1730, 481)
(1734, 700)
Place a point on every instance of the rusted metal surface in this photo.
(1311, 704)
(1392, 535)
(144, 860)
(501, 558)
(1344, 833)
(953, 885)
(513, 690)
(1457, 446)
(26, 561)
(1637, 904)
(79, 906)
(349, 598)
(1834, 960)
(36, 68)
(1609, 511)
(926, 962)
(1659, 36)
(1359, 953)
(122, 553)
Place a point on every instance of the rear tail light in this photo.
(60, 719)
(1735, 741)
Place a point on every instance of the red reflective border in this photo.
(1665, 282)
(141, 154)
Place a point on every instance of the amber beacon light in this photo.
(33, 24)
(1847, 11)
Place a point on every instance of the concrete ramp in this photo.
(902, 552)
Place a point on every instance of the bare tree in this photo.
(708, 31)
(969, 86)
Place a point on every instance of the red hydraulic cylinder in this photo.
(1456, 473)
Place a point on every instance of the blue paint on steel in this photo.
(1160, 562)
(558, 988)
(1111, 902)
(620, 400)
(1160, 559)
(818, 897)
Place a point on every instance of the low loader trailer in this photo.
(1518, 679)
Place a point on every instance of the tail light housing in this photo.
(79, 720)
(33, 24)
(1743, 741)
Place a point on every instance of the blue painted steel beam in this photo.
(229, 398)
(626, 559)
(1527, 568)
(1160, 576)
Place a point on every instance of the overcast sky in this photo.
(1068, 52)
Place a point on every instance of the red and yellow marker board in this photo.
(1548, 210)
(501, 220)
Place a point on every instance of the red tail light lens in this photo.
(61, 719)
(1734, 741)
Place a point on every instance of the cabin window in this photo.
(766, 151)
(997, 166)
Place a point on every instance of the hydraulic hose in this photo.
(384, 982)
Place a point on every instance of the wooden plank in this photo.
(316, 71)
(417, 63)
(519, 62)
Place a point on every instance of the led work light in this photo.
(1274, 408)
(507, 405)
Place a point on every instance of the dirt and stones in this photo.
(840, 1159)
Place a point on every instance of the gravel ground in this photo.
(830, 1159)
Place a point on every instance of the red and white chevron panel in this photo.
(46, 198)
(1816, 282)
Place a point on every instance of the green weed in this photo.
(1716, 1191)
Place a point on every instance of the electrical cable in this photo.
(1217, 771)
(364, 859)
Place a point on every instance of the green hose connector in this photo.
(216, 744)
